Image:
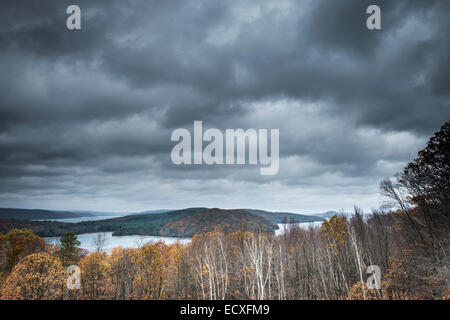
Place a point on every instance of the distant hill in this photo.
(285, 217)
(100, 213)
(185, 222)
(152, 211)
(206, 220)
(175, 223)
(37, 214)
(326, 215)
(40, 214)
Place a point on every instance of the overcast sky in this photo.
(86, 116)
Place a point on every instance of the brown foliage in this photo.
(15, 245)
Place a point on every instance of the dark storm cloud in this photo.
(352, 105)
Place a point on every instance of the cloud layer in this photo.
(86, 116)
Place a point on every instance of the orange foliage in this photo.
(39, 276)
(151, 263)
(15, 245)
(95, 282)
(360, 291)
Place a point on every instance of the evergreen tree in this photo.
(69, 243)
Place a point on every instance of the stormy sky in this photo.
(86, 115)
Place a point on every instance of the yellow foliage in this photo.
(335, 231)
(39, 276)
(16, 244)
(95, 282)
(151, 263)
(360, 291)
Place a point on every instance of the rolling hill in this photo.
(185, 222)
(175, 223)
(36, 214)
(285, 217)
(207, 220)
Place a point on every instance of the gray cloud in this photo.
(86, 116)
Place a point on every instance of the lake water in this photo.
(303, 225)
(88, 240)
(134, 241)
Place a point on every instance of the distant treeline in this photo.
(35, 214)
(178, 223)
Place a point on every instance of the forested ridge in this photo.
(177, 223)
(30, 214)
(407, 238)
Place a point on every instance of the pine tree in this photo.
(69, 243)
